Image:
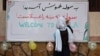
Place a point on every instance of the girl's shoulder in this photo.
(70, 28)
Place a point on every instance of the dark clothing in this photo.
(65, 45)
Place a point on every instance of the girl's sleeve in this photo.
(57, 39)
(70, 28)
(70, 36)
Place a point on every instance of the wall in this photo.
(22, 49)
(94, 22)
(2, 22)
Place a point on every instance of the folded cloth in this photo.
(58, 41)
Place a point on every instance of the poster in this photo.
(36, 20)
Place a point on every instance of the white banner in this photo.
(36, 21)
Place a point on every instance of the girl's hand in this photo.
(72, 47)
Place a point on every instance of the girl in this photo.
(63, 38)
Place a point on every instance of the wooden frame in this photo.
(4, 4)
(94, 5)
